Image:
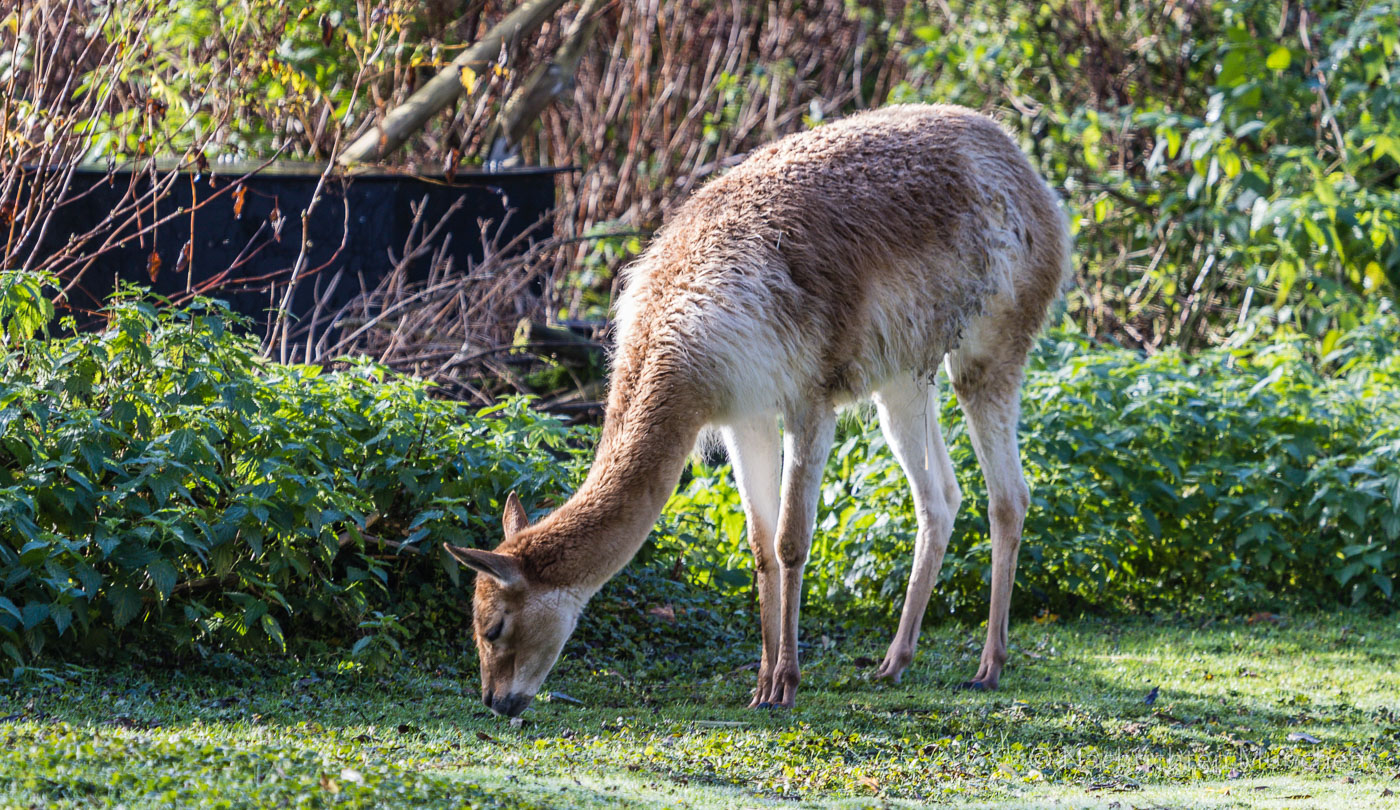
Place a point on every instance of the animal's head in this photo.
(520, 626)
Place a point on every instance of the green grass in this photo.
(1068, 729)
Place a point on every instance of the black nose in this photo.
(509, 705)
(486, 697)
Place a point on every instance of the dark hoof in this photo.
(971, 686)
(765, 705)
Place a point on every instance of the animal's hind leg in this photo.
(756, 455)
(909, 417)
(987, 372)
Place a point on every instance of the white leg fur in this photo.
(807, 441)
(988, 384)
(756, 454)
(909, 418)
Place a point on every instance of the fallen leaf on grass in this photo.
(870, 782)
(1115, 786)
(553, 696)
(1271, 618)
(665, 613)
(134, 723)
(1302, 736)
(862, 662)
(484, 737)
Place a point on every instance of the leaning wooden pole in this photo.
(546, 82)
(444, 88)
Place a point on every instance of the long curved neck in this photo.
(648, 430)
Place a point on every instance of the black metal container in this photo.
(236, 235)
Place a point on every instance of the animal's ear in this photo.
(503, 568)
(515, 518)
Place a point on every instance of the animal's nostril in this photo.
(512, 705)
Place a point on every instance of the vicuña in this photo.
(829, 267)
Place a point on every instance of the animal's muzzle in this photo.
(508, 705)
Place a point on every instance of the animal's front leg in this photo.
(755, 451)
(806, 443)
(768, 581)
(769, 607)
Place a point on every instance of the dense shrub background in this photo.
(1221, 158)
(161, 481)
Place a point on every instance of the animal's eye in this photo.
(495, 632)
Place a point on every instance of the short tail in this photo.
(1067, 247)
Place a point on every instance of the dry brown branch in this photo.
(445, 87)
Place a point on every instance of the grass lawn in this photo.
(1304, 713)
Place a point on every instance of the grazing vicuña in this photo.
(832, 266)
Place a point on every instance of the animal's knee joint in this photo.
(761, 543)
(952, 496)
(938, 522)
(791, 553)
(1010, 509)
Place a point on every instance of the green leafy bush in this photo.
(161, 478)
